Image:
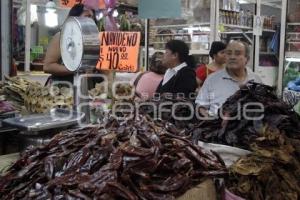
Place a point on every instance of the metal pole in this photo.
(146, 43)
(6, 50)
(214, 21)
(256, 45)
(281, 49)
(27, 36)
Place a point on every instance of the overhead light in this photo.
(244, 2)
(50, 6)
(50, 15)
(51, 19)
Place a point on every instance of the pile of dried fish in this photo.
(33, 96)
(13, 89)
(272, 171)
(240, 132)
(98, 90)
(174, 110)
(123, 90)
(133, 159)
(39, 99)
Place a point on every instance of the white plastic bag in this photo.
(227, 153)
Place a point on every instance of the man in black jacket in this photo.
(180, 78)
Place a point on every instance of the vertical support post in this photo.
(281, 49)
(256, 45)
(27, 37)
(6, 39)
(146, 43)
(214, 21)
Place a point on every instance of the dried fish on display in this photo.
(247, 124)
(39, 99)
(272, 171)
(132, 159)
(13, 89)
(123, 90)
(98, 90)
(32, 96)
(176, 112)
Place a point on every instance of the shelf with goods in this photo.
(290, 36)
(234, 21)
(194, 27)
(195, 35)
(267, 42)
(292, 39)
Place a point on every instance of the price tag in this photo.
(69, 3)
(102, 4)
(119, 51)
(91, 3)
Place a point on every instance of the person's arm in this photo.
(202, 100)
(52, 58)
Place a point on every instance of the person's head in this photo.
(79, 10)
(217, 52)
(156, 65)
(238, 54)
(176, 53)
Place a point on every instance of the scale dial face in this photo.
(71, 44)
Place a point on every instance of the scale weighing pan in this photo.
(56, 118)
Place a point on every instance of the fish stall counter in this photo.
(80, 44)
(38, 129)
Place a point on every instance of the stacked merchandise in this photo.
(274, 165)
(32, 97)
(13, 91)
(272, 134)
(39, 99)
(234, 129)
(274, 140)
(132, 159)
(142, 158)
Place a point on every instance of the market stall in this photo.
(103, 143)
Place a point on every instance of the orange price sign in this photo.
(91, 3)
(119, 51)
(102, 4)
(69, 3)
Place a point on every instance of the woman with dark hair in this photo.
(146, 82)
(53, 62)
(180, 77)
(217, 53)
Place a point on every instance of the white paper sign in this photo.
(257, 25)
